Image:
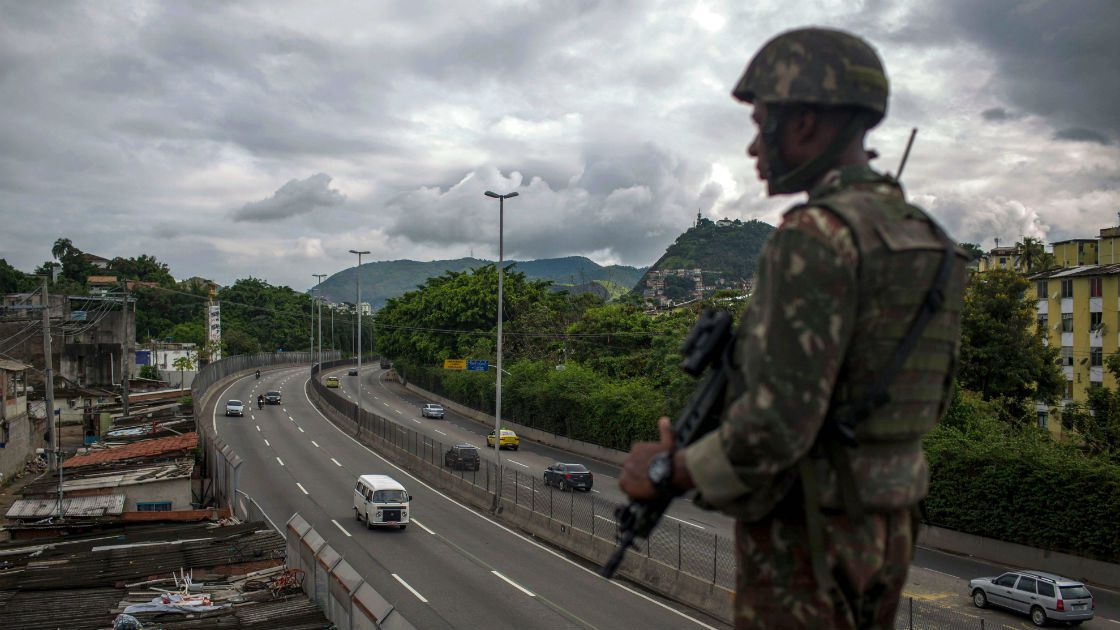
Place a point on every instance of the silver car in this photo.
(431, 410)
(235, 408)
(1044, 597)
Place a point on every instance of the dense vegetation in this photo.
(730, 250)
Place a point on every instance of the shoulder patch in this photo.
(825, 226)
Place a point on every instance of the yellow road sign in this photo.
(454, 364)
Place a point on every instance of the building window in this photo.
(1095, 286)
(1095, 321)
(1042, 416)
(154, 506)
(1043, 324)
(1095, 384)
(1067, 322)
(1067, 355)
(1002, 262)
(1067, 288)
(1069, 390)
(1096, 357)
(1040, 288)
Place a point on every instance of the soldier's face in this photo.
(756, 149)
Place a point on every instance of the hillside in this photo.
(382, 280)
(725, 253)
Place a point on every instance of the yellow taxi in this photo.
(509, 440)
(332, 381)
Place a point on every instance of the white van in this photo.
(380, 500)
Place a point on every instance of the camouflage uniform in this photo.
(838, 284)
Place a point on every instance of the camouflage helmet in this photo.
(817, 66)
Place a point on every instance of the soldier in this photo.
(845, 354)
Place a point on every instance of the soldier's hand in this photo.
(635, 478)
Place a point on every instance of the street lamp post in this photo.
(498, 393)
(358, 306)
(319, 299)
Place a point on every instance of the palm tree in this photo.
(1032, 254)
(181, 364)
(62, 247)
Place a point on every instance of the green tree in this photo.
(145, 268)
(973, 250)
(1002, 351)
(13, 280)
(1032, 254)
(149, 372)
(182, 364)
(74, 265)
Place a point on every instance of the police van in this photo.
(381, 501)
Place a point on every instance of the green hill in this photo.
(726, 253)
(382, 280)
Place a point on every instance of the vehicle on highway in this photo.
(569, 477)
(509, 440)
(431, 410)
(272, 398)
(385, 364)
(462, 457)
(332, 381)
(235, 408)
(379, 500)
(1044, 597)
(352, 371)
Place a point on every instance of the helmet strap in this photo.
(781, 180)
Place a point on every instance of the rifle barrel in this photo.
(906, 154)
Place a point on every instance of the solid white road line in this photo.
(685, 522)
(342, 528)
(422, 526)
(280, 460)
(409, 587)
(302, 488)
(515, 462)
(439, 432)
(336, 462)
(514, 584)
(267, 444)
(300, 429)
(315, 443)
(944, 573)
(507, 530)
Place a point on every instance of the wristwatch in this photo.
(660, 472)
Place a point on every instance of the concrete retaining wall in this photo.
(587, 449)
(1015, 555)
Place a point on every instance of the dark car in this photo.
(384, 364)
(461, 457)
(352, 371)
(569, 476)
(272, 398)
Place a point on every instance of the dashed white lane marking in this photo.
(284, 410)
(315, 443)
(290, 418)
(336, 524)
(252, 417)
(266, 443)
(415, 420)
(439, 432)
(596, 491)
(280, 460)
(300, 429)
(304, 490)
(336, 462)
(514, 584)
(685, 522)
(422, 526)
(258, 428)
(518, 463)
(529, 488)
(410, 589)
(385, 403)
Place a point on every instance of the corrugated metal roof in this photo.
(86, 507)
(13, 366)
(146, 448)
(75, 480)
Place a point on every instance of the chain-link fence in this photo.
(676, 543)
(915, 614)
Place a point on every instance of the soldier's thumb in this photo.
(665, 428)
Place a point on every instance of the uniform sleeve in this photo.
(790, 345)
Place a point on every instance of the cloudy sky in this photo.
(268, 138)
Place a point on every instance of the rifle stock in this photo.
(708, 344)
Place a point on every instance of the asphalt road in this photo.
(452, 567)
(392, 400)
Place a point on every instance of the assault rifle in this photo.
(708, 344)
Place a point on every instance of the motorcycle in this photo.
(258, 375)
(260, 403)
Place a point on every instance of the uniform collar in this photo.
(843, 177)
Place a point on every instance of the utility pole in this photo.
(358, 304)
(319, 298)
(48, 378)
(498, 393)
(124, 353)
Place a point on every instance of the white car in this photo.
(1044, 597)
(431, 410)
(235, 408)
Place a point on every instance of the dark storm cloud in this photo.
(1081, 134)
(298, 196)
(996, 114)
(1053, 58)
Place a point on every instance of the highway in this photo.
(452, 567)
